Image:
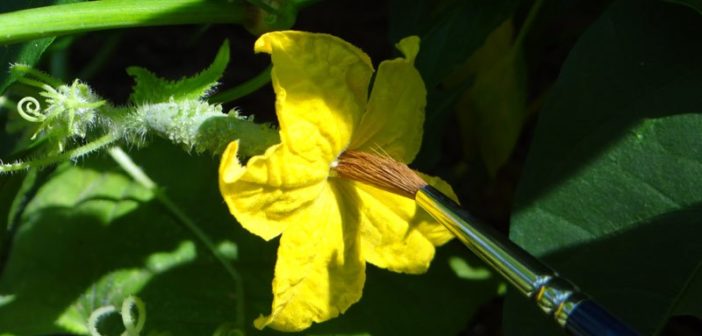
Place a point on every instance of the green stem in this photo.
(243, 89)
(528, 22)
(64, 156)
(23, 69)
(107, 14)
(138, 175)
(131, 168)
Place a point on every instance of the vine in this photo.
(76, 121)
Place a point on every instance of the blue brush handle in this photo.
(590, 319)
(556, 296)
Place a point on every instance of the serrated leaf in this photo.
(610, 194)
(151, 89)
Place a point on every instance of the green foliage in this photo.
(450, 31)
(610, 195)
(492, 111)
(25, 53)
(176, 110)
(150, 89)
(116, 240)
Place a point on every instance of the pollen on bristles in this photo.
(380, 171)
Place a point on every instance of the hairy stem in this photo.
(107, 14)
(67, 155)
(43, 78)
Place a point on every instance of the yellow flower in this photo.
(332, 226)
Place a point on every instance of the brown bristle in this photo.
(380, 171)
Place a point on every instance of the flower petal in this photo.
(395, 233)
(395, 113)
(272, 191)
(319, 272)
(321, 85)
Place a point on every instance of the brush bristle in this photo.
(380, 171)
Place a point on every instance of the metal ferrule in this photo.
(554, 295)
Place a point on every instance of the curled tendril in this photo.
(96, 316)
(30, 109)
(132, 325)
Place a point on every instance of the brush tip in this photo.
(380, 171)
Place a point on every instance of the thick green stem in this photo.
(107, 14)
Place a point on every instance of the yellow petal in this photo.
(395, 233)
(272, 191)
(395, 114)
(321, 85)
(389, 231)
(319, 272)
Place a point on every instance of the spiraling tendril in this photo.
(132, 325)
(97, 316)
(30, 109)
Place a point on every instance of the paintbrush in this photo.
(557, 297)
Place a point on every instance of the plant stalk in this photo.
(79, 17)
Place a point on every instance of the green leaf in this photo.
(493, 110)
(91, 237)
(450, 32)
(26, 53)
(610, 193)
(689, 302)
(151, 89)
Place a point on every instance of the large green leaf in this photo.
(610, 196)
